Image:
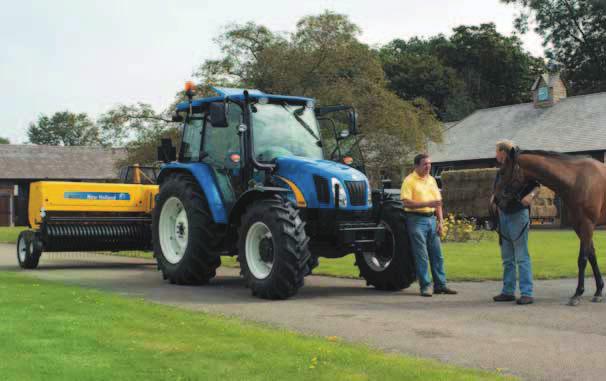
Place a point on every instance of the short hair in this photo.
(420, 157)
(505, 145)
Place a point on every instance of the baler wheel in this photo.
(28, 250)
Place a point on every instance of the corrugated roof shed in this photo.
(58, 162)
(574, 124)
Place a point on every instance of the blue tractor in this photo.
(250, 180)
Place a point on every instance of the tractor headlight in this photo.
(342, 197)
(368, 193)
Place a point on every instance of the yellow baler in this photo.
(72, 216)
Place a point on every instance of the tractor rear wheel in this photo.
(272, 248)
(183, 235)
(28, 250)
(392, 266)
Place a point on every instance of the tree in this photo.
(323, 59)
(574, 34)
(475, 68)
(4, 141)
(414, 70)
(138, 128)
(64, 128)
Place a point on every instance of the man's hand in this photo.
(439, 228)
(527, 200)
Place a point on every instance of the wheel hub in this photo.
(266, 248)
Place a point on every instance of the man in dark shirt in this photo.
(514, 221)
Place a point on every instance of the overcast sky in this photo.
(87, 56)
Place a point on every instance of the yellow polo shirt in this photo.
(419, 189)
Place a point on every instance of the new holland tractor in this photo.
(250, 180)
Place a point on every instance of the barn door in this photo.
(5, 209)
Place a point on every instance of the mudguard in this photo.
(203, 174)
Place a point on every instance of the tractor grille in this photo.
(322, 189)
(357, 192)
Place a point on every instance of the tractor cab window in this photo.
(285, 130)
(192, 135)
(221, 144)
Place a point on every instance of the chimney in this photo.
(548, 89)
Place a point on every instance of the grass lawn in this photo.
(554, 255)
(9, 235)
(55, 332)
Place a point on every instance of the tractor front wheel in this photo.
(392, 266)
(272, 248)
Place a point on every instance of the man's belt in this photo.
(427, 214)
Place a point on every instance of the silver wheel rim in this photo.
(173, 230)
(22, 249)
(259, 267)
(377, 263)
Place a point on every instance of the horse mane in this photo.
(554, 154)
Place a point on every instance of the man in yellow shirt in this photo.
(422, 204)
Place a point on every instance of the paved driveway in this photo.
(545, 341)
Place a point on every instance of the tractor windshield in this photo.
(285, 130)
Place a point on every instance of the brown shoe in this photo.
(444, 290)
(504, 298)
(525, 300)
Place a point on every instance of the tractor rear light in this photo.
(189, 86)
(348, 160)
(235, 158)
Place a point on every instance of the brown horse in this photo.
(580, 183)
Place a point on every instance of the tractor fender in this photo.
(205, 179)
(251, 196)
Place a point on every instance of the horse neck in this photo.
(549, 171)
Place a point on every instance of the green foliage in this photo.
(574, 34)
(4, 141)
(64, 128)
(475, 68)
(324, 59)
(138, 128)
(458, 229)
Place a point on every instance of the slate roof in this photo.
(58, 162)
(575, 124)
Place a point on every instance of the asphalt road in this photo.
(545, 341)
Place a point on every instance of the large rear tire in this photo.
(272, 249)
(392, 267)
(28, 250)
(183, 236)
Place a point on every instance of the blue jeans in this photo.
(514, 252)
(426, 248)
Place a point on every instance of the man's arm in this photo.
(440, 221)
(421, 204)
(527, 200)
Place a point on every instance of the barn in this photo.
(552, 121)
(21, 165)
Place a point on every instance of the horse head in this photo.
(511, 179)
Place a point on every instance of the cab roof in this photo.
(238, 94)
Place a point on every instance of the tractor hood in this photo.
(314, 178)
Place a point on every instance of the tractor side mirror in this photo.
(166, 151)
(218, 114)
(353, 122)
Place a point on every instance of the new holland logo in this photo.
(104, 196)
